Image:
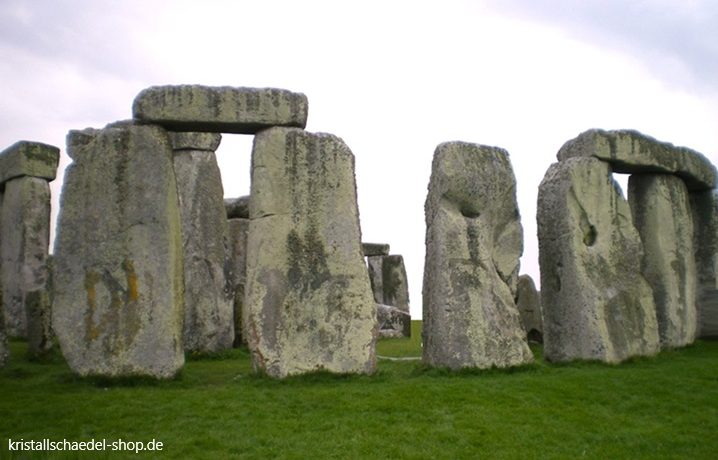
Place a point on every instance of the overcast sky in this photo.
(392, 78)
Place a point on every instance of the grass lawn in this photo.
(664, 407)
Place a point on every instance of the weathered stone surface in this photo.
(473, 243)
(375, 249)
(662, 215)
(528, 301)
(195, 141)
(25, 228)
(208, 296)
(704, 207)
(32, 159)
(238, 231)
(221, 109)
(632, 152)
(596, 304)
(118, 298)
(4, 353)
(393, 322)
(387, 275)
(309, 301)
(237, 208)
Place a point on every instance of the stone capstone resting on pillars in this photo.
(473, 243)
(596, 303)
(309, 302)
(221, 109)
(208, 290)
(25, 170)
(119, 302)
(661, 213)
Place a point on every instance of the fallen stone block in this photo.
(393, 322)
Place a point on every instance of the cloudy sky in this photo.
(392, 78)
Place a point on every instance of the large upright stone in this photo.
(596, 303)
(528, 301)
(221, 109)
(238, 232)
(208, 293)
(309, 301)
(473, 243)
(661, 213)
(25, 158)
(118, 301)
(25, 223)
(704, 206)
(632, 152)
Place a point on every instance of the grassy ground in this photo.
(664, 407)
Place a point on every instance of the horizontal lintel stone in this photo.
(375, 249)
(632, 152)
(25, 158)
(222, 109)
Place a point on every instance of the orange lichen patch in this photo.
(132, 288)
(91, 279)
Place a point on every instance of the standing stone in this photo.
(208, 294)
(309, 301)
(4, 354)
(237, 208)
(118, 301)
(661, 213)
(238, 231)
(528, 301)
(26, 234)
(387, 275)
(25, 169)
(596, 303)
(473, 243)
(220, 109)
(704, 206)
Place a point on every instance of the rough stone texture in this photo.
(25, 228)
(596, 304)
(387, 275)
(237, 208)
(118, 298)
(309, 301)
(220, 109)
(473, 243)
(528, 301)
(195, 141)
(393, 322)
(704, 206)
(208, 294)
(238, 231)
(32, 159)
(374, 249)
(632, 152)
(4, 354)
(662, 215)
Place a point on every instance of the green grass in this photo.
(664, 407)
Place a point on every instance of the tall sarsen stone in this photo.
(596, 303)
(118, 300)
(473, 243)
(309, 301)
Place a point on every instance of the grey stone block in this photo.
(237, 208)
(33, 159)
(375, 249)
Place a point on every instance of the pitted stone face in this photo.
(220, 109)
(309, 302)
(662, 215)
(118, 297)
(473, 243)
(596, 303)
